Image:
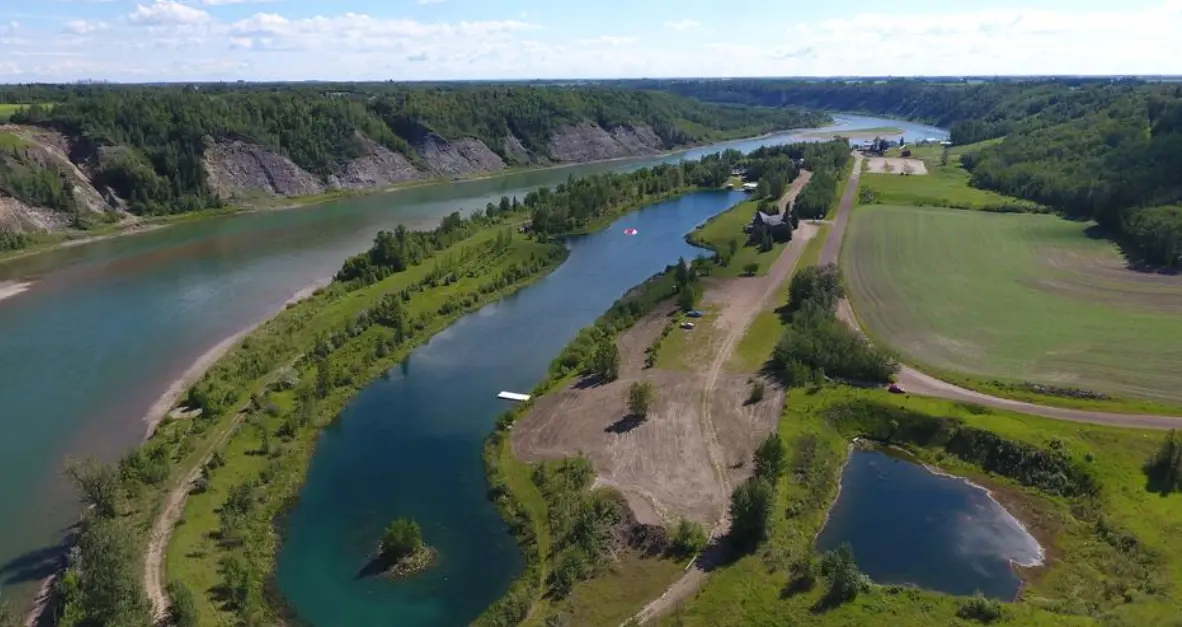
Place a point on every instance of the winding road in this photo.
(916, 382)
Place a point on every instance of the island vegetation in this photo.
(402, 552)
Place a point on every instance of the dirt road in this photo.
(916, 382)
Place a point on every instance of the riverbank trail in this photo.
(916, 382)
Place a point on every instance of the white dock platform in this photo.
(513, 396)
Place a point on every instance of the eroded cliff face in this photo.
(239, 171)
(235, 169)
(458, 158)
(591, 142)
(378, 167)
(28, 150)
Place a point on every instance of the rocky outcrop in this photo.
(459, 157)
(517, 153)
(31, 149)
(590, 142)
(379, 167)
(236, 168)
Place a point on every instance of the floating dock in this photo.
(513, 396)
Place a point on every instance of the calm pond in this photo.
(910, 525)
(410, 445)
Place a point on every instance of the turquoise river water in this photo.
(107, 327)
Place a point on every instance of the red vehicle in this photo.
(895, 388)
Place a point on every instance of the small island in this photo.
(402, 552)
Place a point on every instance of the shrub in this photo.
(980, 609)
(640, 398)
(402, 538)
(184, 605)
(751, 508)
(771, 458)
(750, 269)
(845, 580)
(756, 393)
(688, 539)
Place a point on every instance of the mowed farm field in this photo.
(1014, 298)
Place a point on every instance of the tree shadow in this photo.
(590, 381)
(1158, 482)
(625, 424)
(1134, 260)
(37, 564)
(374, 567)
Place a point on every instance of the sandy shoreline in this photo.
(159, 410)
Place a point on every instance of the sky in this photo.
(203, 40)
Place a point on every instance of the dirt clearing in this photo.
(698, 440)
(894, 165)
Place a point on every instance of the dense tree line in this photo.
(161, 133)
(816, 344)
(1094, 149)
(1048, 468)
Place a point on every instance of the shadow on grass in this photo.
(1134, 260)
(625, 424)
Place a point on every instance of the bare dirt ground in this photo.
(916, 382)
(895, 165)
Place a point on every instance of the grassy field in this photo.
(755, 349)
(943, 186)
(686, 349)
(1088, 580)
(721, 230)
(1014, 297)
(6, 110)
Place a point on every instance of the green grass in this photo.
(615, 596)
(1014, 297)
(748, 592)
(755, 348)
(942, 186)
(687, 349)
(6, 110)
(726, 227)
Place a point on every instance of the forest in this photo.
(1106, 150)
(159, 134)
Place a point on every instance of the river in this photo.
(106, 327)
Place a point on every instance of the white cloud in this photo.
(84, 27)
(167, 13)
(214, 3)
(432, 1)
(684, 25)
(169, 39)
(610, 40)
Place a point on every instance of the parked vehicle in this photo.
(687, 325)
(695, 314)
(895, 388)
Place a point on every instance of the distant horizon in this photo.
(502, 81)
(185, 41)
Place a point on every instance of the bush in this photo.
(750, 269)
(1164, 469)
(688, 539)
(402, 538)
(751, 508)
(184, 605)
(640, 398)
(845, 580)
(980, 609)
(756, 393)
(771, 459)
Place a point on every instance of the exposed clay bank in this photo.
(910, 525)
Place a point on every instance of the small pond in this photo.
(910, 525)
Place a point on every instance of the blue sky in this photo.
(140, 40)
